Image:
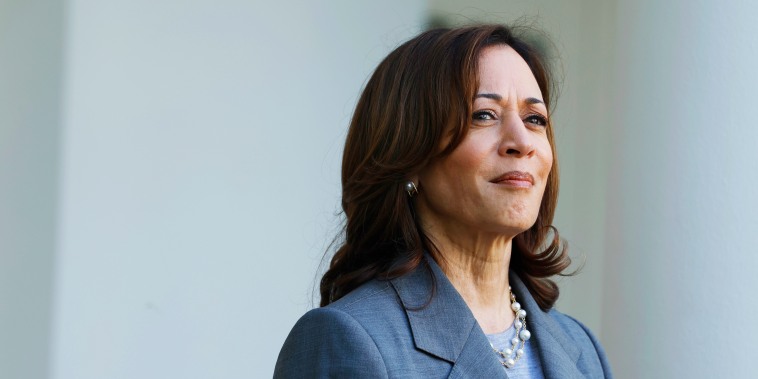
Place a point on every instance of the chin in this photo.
(518, 219)
(511, 230)
(522, 225)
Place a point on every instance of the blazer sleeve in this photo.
(328, 342)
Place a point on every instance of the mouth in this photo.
(517, 179)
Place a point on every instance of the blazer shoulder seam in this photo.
(348, 304)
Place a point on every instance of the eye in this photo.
(536, 119)
(483, 116)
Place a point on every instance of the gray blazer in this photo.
(389, 329)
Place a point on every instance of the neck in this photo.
(478, 269)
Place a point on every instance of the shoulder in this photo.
(344, 338)
(328, 342)
(573, 328)
(593, 354)
(372, 294)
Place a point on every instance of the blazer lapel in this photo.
(477, 360)
(443, 325)
(558, 353)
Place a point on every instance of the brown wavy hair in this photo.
(420, 93)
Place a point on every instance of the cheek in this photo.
(455, 177)
(460, 169)
(469, 155)
(545, 166)
(547, 160)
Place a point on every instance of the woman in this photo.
(449, 184)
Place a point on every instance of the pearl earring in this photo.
(410, 187)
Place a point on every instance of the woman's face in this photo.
(494, 180)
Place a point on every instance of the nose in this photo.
(516, 139)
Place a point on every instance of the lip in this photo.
(518, 179)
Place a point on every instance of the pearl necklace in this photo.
(512, 355)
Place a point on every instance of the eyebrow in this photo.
(497, 97)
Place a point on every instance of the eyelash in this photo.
(535, 119)
(477, 115)
(541, 120)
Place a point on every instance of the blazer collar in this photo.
(444, 326)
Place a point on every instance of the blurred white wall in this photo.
(201, 148)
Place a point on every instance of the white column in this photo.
(31, 46)
(681, 260)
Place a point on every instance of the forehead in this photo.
(503, 71)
